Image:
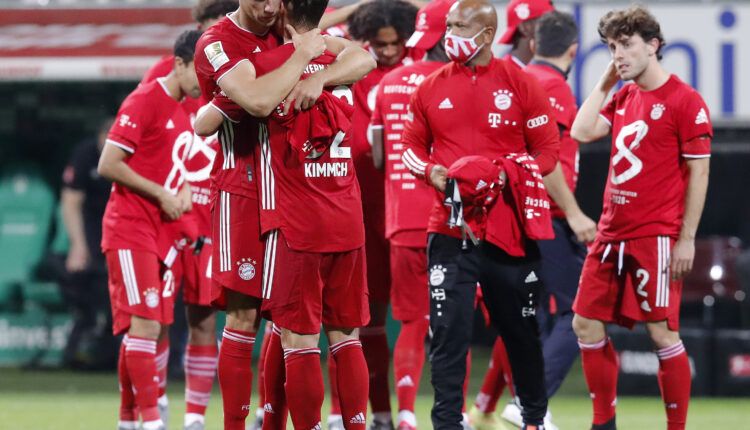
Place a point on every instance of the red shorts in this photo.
(237, 258)
(410, 293)
(628, 282)
(196, 274)
(301, 289)
(139, 285)
(379, 277)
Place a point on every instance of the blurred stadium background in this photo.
(65, 65)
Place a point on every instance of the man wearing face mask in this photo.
(482, 106)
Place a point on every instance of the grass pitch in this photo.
(53, 400)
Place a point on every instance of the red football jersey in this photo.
(408, 200)
(161, 69)
(653, 132)
(156, 131)
(219, 50)
(492, 111)
(370, 179)
(198, 164)
(565, 108)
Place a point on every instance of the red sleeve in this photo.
(376, 119)
(693, 121)
(540, 129)
(417, 137)
(563, 104)
(131, 124)
(216, 56)
(228, 109)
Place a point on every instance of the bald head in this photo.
(479, 12)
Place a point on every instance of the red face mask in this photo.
(462, 49)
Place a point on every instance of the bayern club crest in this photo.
(152, 297)
(657, 110)
(522, 11)
(503, 99)
(246, 269)
(437, 275)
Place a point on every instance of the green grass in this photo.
(41, 400)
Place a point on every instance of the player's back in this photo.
(312, 196)
(408, 199)
(653, 133)
(154, 129)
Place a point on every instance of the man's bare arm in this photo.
(112, 166)
(589, 125)
(378, 152)
(260, 96)
(583, 226)
(683, 252)
(72, 212)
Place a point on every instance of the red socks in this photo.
(236, 376)
(274, 406)
(674, 380)
(600, 366)
(375, 347)
(333, 382)
(140, 354)
(200, 368)
(497, 378)
(408, 360)
(128, 412)
(353, 381)
(304, 387)
(162, 361)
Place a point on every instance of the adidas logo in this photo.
(358, 419)
(620, 112)
(481, 184)
(406, 381)
(317, 426)
(267, 408)
(702, 117)
(446, 104)
(257, 49)
(531, 278)
(170, 124)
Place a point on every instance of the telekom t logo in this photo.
(493, 119)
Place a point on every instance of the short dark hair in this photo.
(184, 46)
(369, 18)
(305, 12)
(555, 32)
(634, 20)
(205, 10)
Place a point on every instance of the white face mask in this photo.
(462, 49)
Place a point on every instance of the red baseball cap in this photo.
(430, 25)
(478, 178)
(519, 11)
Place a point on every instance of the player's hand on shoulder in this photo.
(439, 177)
(310, 43)
(683, 254)
(171, 205)
(583, 227)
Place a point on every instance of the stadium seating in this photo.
(26, 205)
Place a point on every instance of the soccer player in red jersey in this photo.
(223, 66)
(521, 17)
(143, 157)
(478, 105)
(656, 188)
(408, 201)
(384, 26)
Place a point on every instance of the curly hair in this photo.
(627, 22)
(205, 10)
(369, 18)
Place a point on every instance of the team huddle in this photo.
(313, 179)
